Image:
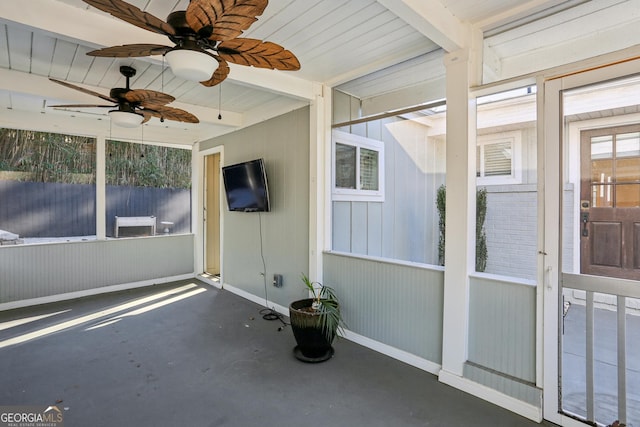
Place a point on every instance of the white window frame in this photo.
(515, 138)
(357, 194)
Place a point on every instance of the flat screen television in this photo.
(246, 186)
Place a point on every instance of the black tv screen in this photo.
(246, 186)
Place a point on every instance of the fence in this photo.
(35, 209)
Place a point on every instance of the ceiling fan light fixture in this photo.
(125, 119)
(191, 65)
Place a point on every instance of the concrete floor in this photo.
(205, 357)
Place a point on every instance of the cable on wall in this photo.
(267, 313)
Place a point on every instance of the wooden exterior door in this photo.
(610, 202)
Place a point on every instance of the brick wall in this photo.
(511, 226)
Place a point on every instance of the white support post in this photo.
(460, 212)
(320, 128)
(197, 207)
(101, 180)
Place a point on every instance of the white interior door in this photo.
(212, 214)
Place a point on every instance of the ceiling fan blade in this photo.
(226, 18)
(258, 53)
(133, 15)
(131, 50)
(83, 90)
(82, 106)
(147, 115)
(170, 113)
(148, 97)
(219, 75)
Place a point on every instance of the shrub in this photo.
(481, 236)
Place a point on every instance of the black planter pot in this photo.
(313, 345)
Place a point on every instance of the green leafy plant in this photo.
(441, 197)
(138, 165)
(481, 235)
(325, 307)
(47, 157)
(52, 157)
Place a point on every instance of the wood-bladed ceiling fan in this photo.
(205, 38)
(132, 106)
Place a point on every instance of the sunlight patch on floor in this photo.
(103, 313)
(13, 323)
(147, 308)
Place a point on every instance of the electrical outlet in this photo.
(277, 280)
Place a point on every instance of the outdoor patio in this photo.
(605, 364)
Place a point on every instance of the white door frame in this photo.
(551, 158)
(198, 184)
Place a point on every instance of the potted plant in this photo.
(315, 322)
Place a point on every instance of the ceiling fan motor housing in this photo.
(179, 23)
(127, 71)
(185, 38)
(118, 92)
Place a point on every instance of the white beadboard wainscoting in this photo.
(502, 336)
(398, 306)
(38, 273)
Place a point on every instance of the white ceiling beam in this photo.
(91, 27)
(92, 126)
(97, 29)
(430, 91)
(527, 9)
(491, 64)
(592, 49)
(433, 20)
(280, 82)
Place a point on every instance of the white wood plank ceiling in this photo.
(367, 48)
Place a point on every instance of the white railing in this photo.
(622, 290)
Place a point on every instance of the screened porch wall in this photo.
(395, 304)
(30, 272)
(502, 336)
(405, 225)
(388, 299)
